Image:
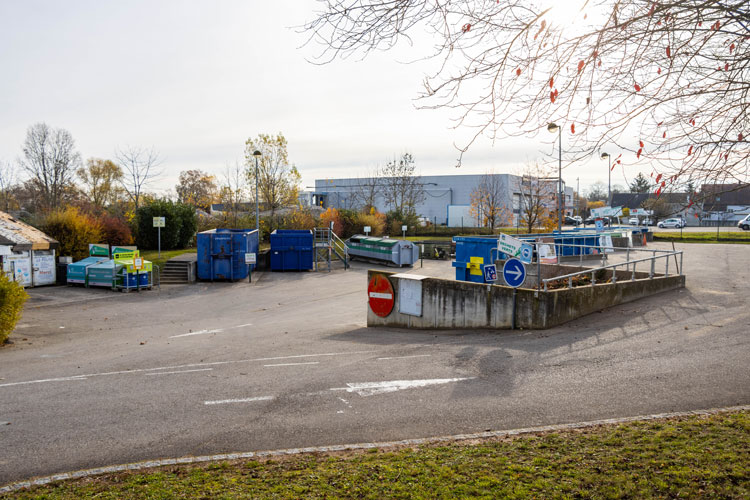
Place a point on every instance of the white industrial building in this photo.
(447, 198)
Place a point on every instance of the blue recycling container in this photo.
(291, 250)
(130, 281)
(472, 254)
(221, 253)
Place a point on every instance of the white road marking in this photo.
(175, 367)
(406, 357)
(378, 295)
(44, 380)
(295, 364)
(180, 371)
(199, 332)
(204, 332)
(371, 388)
(241, 400)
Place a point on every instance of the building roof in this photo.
(636, 200)
(718, 197)
(21, 236)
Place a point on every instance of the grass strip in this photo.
(696, 456)
(703, 237)
(153, 255)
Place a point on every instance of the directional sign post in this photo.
(514, 272)
(160, 222)
(513, 247)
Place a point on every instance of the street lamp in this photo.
(609, 177)
(553, 127)
(257, 154)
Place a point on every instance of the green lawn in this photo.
(704, 237)
(153, 255)
(691, 457)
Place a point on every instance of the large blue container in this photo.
(291, 250)
(221, 253)
(472, 254)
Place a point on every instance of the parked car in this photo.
(633, 221)
(648, 222)
(744, 224)
(592, 220)
(571, 221)
(676, 223)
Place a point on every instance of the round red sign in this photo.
(380, 295)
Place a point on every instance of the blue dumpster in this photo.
(221, 253)
(291, 250)
(472, 254)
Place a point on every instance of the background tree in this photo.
(74, 230)
(101, 179)
(196, 188)
(488, 203)
(7, 180)
(640, 184)
(232, 192)
(140, 167)
(366, 191)
(537, 198)
(664, 81)
(181, 224)
(597, 192)
(278, 180)
(50, 160)
(401, 188)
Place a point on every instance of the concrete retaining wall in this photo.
(448, 304)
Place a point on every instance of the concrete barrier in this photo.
(448, 304)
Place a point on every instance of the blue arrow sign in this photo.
(514, 272)
(490, 272)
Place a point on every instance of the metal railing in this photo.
(662, 254)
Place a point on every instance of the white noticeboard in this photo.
(138, 263)
(367, 229)
(410, 293)
(160, 221)
(605, 241)
(250, 258)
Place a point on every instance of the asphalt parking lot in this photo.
(96, 378)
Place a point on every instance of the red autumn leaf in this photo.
(638, 154)
(651, 174)
(551, 82)
(663, 183)
(599, 63)
(658, 23)
(640, 143)
(690, 150)
(664, 135)
(700, 24)
(726, 67)
(613, 166)
(466, 27)
(696, 216)
(552, 97)
(659, 124)
(658, 71)
(731, 48)
(658, 192)
(595, 54)
(669, 52)
(740, 137)
(580, 65)
(555, 93)
(658, 178)
(690, 204)
(637, 88)
(651, 11)
(572, 128)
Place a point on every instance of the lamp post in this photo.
(553, 127)
(257, 155)
(609, 177)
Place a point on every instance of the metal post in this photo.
(159, 228)
(538, 267)
(559, 186)
(680, 263)
(513, 314)
(257, 211)
(666, 268)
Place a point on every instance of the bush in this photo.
(116, 230)
(12, 297)
(376, 222)
(300, 219)
(74, 230)
(181, 225)
(332, 215)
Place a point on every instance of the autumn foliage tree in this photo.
(488, 203)
(197, 188)
(665, 81)
(101, 179)
(278, 180)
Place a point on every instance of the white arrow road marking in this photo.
(371, 388)
(204, 332)
(361, 388)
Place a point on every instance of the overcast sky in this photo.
(195, 79)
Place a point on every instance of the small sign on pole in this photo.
(403, 230)
(138, 263)
(251, 258)
(160, 222)
(490, 273)
(367, 229)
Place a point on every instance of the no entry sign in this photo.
(380, 295)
